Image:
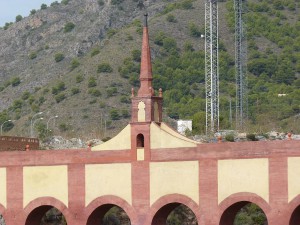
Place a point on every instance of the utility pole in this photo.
(240, 66)
(211, 66)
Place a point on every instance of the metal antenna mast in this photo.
(211, 66)
(240, 66)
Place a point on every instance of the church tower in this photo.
(146, 107)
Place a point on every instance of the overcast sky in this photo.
(9, 9)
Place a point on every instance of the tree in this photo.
(43, 6)
(69, 27)
(104, 68)
(114, 114)
(18, 18)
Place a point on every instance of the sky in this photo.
(9, 9)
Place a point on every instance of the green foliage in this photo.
(187, 4)
(249, 215)
(171, 18)
(111, 32)
(100, 2)
(92, 82)
(18, 18)
(194, 30)
(95, 51)
(32, 55)
(60, 97)
(6, 26)
(15, 81)
(63, 127)
(95, 92)
(32, 12)
(251, 137)
(55, 3)
(69, 27)
(79, 78)
(65, 2)
(25, 95)
(111, 91)
(229, 137)
(114, 114)
(125, 99)
(74, 63)
(104, 68)
(43, 6)
(136, 55)
(58, 88)
(75, 90)
(59, 57)
(116, 2)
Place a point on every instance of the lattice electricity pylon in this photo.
(211, 67)
(240, 65)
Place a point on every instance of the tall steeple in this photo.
(145, 106)
(146, 66)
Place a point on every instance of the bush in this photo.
(79, 78)
(125, 99)
(95, 92)
(171, 18)
(111, 32)
(58, 88)
(95, 51)
(65, 2)
(251, 137)
(104, 68)
(194, 30)
(15, 81)
(54, 3)
(136, 55)
(32, 12)
(32, 55)
(229, 137)
(74, 64)
(25, 95)
(111, 91)
(18, 18)
(60, 97)
(116, 2)
(75, 91)
(92, 82)
(100, 2)
(43, 6)
(187, 4)
(69, 27)
(59, 57)
(114, 114)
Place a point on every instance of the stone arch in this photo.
(160, 210)
(230, 206)
(294, 211)
(96, 210)
(37, 208)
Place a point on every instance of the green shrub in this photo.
(75, 91)
(95, 51)
(251, 137)
(111, 32)
(74, 64)
(194, 30)
(43, 6)
(18, 18)
(104, 68)
(32, 55)
(100, 2)
(59, 57)
(111, 91)
(55, 3)
(7, 25)
(58, 88)
(63, 127)
(92, 82)
(229, 137)
(15, 81)
(65, 2)
(171, 18)
(60, 97)
(114, 114)
(79, 78)
(136, 55)
(125, 113)
(187, 4)
(32, 12)
(25, 95)
(125, 99)
(95, 92)
(69, 27)
(116, 2)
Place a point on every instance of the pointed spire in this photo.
(146, 66)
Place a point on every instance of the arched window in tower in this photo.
(140, 141)
(141, 112)
(156, 112)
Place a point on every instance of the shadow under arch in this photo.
(294, 211)
(230, 206)
(97, 209)
(160, 210)
(37, 208)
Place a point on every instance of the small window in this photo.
(140, 141)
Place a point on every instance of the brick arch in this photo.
(37, 208)
(2, 211)
(229, 207)
(294, 211)
(101, 205)
(166, 204)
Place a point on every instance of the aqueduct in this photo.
(148, 169)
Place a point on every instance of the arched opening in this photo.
(45, 215)
(109, 214)
(140, 141)
(174, 214)
(295, 218)
(242, 213)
